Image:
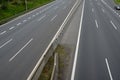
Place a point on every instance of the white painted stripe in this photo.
(18, 24)
(113, 25)
(108, 67)
(53, 18)
(6, 43)
(24, 21)
(33, 15)
(92, 10)
(20, 50)
(42, 18)
(77, 46)
(96, 23)
(3, 32)
(11, 28)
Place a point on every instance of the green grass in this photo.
(47, 71)
(62, 55)
(117, 1)
(16, 10)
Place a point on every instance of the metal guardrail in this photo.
(34, 75)
(54, 74)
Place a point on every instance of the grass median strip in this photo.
(47, 71)
(62, 61)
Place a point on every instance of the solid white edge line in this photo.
(96, 23)
(108, 67)
(20, 50)
(113, 25)
(6, 43)
(36, 66)
(77, 46)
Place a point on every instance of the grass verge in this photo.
(16, 10)
(117, 1)
(47, 71)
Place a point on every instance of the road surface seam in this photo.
(77, 45)
(21, 49)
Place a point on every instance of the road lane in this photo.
(23, 58)
(98, 55)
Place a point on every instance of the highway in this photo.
(97, 52)
(24, 39)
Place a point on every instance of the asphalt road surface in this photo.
(24, 39)
(98, 54)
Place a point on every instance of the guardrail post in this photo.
(54, 75)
